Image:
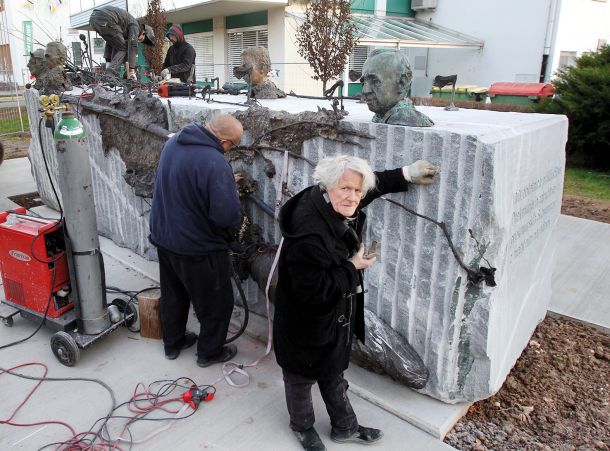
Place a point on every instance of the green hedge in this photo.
(583, 94)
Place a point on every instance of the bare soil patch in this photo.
(28, 200)
(555, 398)
(587, 208)
(16, 146)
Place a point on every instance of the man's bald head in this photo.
(227, 129)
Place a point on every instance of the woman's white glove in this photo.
(421, 172)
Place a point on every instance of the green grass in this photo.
(13, 125)
(587, 183)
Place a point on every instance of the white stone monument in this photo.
(501, 176)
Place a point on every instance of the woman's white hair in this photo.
(330, 169)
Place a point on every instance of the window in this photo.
(98, 46)
(357, 59)
(77, 53)
(239, 40)
(567, 59)
(203, 43)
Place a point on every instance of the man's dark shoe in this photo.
(363, 435)
(189, 340)
(310, 440)
(227, 353)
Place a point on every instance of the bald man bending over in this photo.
(195, 206)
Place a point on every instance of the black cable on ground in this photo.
(67, 379)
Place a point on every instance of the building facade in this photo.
(483, 43)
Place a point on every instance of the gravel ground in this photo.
(555, 398)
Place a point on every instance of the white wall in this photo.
(514, 35)
(276, 42)
(46, 26)
(581, 24)
(297, 72)
(220, 49)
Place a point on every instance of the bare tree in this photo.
(326, 38)
(156, 18)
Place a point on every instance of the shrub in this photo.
(583, 94)
(156, 18)
(326, 38)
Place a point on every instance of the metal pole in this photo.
(18, 106)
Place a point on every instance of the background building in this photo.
(480, 41)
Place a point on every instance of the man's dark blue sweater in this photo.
(195, 198)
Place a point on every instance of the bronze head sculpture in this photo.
(36, 63)
(255, 66)
(386, 79)
(55, 54)
(258, 59)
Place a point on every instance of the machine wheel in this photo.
(126, 308)
(7, 321)
(65, 348)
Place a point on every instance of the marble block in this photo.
(501, 177)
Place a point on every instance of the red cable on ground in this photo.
(8, 420)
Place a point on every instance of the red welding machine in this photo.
(33, 264)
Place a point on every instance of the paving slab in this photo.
(237, 419)
(16, 177)
(581, 278)
(580, 290)
(428, 414)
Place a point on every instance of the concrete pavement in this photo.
(253, 417)
(247, 418)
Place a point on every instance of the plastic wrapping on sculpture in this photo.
(386, 80)
(255, 66)
(260, 267)
(387, 352)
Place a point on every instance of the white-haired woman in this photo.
(319, 300)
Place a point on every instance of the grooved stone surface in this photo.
(501, 177)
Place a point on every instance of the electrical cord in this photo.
(57, 379)
(46, 165)
(143, 403)
(46, 312)
(26, 399)
(51, 261)
(245, 306)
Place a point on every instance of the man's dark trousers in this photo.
(334, 393)
(206, 282)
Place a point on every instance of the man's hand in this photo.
(360, 262)
(421, 172)
(132, 75)
(165, 74)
